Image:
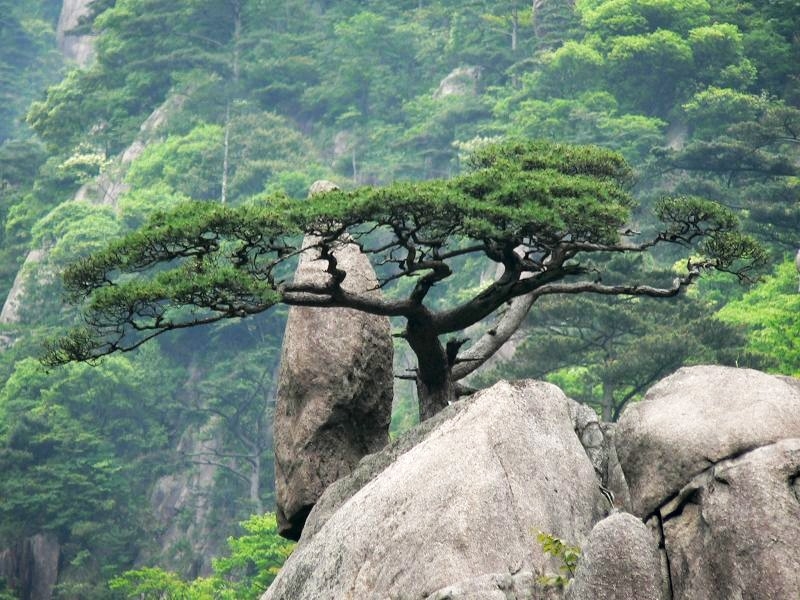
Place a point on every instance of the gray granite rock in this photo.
(695, 418)
(734, 530)
(619, 562)
(335, 387)
(467, 501)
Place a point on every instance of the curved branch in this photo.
(491, 341)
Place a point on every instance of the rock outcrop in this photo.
(466, 501)
(708, 466)
(461, 81)
(734, 531)
(619, 562)
(30, 567)
(712, 457)
(75, 47)
(695, 418)
(334, 397)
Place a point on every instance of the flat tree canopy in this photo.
(547, 213)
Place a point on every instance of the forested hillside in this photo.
(152, 458)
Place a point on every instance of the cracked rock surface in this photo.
(734, 531)
(463, 505)
(707, 466)
(712, 458)
(695, 418)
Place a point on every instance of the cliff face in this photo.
(31, 565)
(75, 48)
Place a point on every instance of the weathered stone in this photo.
(461, 81)
(590, 433)
(613, 477)
(368, 469)
(335, 386)
(467, 501)
(499, 586)
(619, 562)
(734, 531)
(695, 418)
(30, 567)
(78, 48)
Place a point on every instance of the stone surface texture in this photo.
(467, 501)
(77, 48)
(734, 531)
(707, 466)
(30, 566)
(693, 419)
(461, 81)
(499, 586)
(335, 388)
(619, 562)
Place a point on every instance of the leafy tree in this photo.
(770, 312)
(648, 71)
(619, 18)
(144, 48)
(744, 154)
(77, 449)
(563, 205)
(254, 561)
(28, 59)
(592, 117)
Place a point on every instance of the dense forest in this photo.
(153, 458)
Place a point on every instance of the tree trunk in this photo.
(237, 32)
(433, 396)
(255, 483)
(514, 30)
(435, 389)
(608, 402)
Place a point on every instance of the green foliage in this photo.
(648, 70)
(345, 90)
(28, 59)
(77, 449)
(566, 554)
(593, 117)
(253, 562)
(189, 165)
(612, 18)
(770, 312)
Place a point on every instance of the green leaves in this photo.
(770, 312)
(567, 554)
(203, 262)
(254, 560)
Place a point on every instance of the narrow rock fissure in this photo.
(712, 464)
(662, 545)
(691, 497)
(794, 484)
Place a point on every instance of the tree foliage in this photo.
(245, 574)
(770, 312)
(562, 205)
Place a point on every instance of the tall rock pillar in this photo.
(334, 395)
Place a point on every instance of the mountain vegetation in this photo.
(201, 109)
